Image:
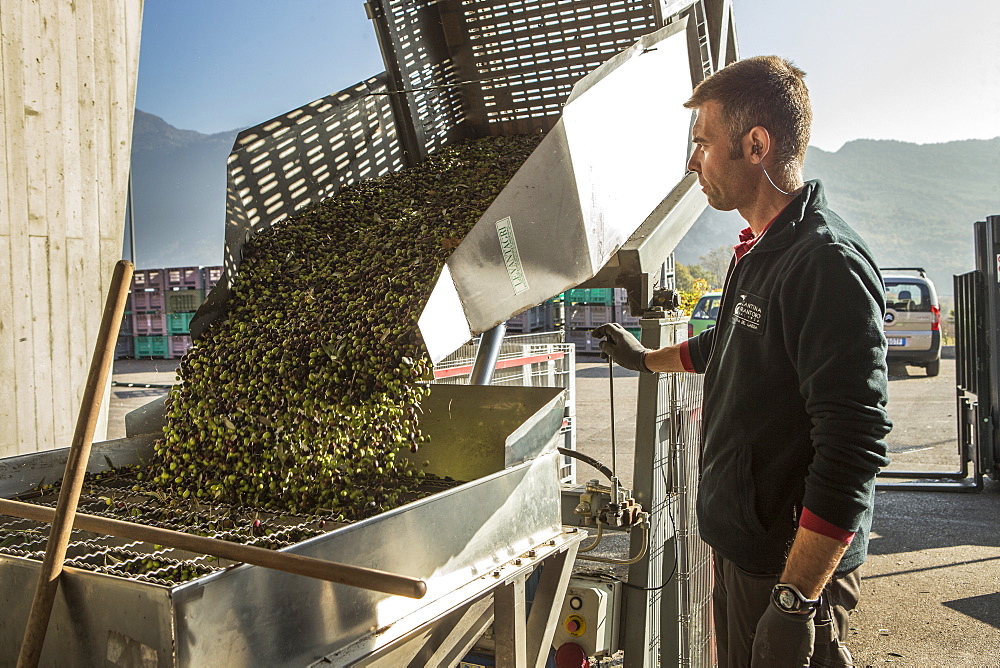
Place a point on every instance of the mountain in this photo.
(179, 193)
(913, 203)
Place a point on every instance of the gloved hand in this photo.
(622, 347)
(783, 639)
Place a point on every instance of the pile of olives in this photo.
(307, 395)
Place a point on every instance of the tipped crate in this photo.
(179, 345)
(183, 301)
(147, 279)
(184, 278)
(124, 347)
(179, 323)
(148, 301)
(210, 276)
(149, 324)
(152, 346)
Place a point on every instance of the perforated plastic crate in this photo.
(148, 279)
(124, 347)
(148, 301)
(580, 316)
(183, 277)
(179, 323)
(183, 301)
(624, 316)
(585, 343)
(210, 276)
(179, 345)
(152, 346)
(600, 296)
(149, 324)
(534, 319)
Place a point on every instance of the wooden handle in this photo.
(354, 576)
(76, 467)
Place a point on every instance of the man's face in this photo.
(723, 180)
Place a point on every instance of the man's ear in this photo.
(757, 144)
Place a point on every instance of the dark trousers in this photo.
(739, 599)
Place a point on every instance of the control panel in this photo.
(590, 615)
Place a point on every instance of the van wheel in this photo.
(933, 368)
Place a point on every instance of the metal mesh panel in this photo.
(306, 155)
(675, 610)
(969, 318)
(527, 54)
(429, 75)
(693, 580)
(113, 498)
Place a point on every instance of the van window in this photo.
(903, 296)
(707, 308)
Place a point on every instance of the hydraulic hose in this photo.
(588, 460)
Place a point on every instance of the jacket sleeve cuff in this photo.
(686, 357)
(818, 525)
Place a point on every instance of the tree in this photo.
(716, 263)
(686, 275)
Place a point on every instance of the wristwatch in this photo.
(789, 599)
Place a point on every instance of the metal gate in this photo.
(977, 373)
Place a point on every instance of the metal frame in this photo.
(669, 622)
(977, 375)
(522, 637)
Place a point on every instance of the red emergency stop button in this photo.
(575, 625)
(571, 655)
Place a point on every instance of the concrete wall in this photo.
(66, 106)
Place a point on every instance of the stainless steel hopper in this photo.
(502, 440)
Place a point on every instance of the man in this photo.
(795, 381)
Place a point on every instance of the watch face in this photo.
(787, 600)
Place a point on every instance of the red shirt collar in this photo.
(748, 239)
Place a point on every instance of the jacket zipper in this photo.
(722, 310)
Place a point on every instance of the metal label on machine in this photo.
(511, 258)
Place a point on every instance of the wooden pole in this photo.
(76, 467)
(354, 576)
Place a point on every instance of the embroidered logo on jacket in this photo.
(749, 312)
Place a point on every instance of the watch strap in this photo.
(789, 599)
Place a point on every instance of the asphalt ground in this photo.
(931, 586)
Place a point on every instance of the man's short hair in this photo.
(767, 91)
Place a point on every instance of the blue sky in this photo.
(914, 70)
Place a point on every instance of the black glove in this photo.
(783, 639)
(622, 347)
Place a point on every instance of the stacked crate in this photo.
(587, 308)
(161, 304)
(148, 326)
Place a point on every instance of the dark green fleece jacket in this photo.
(795, 390)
